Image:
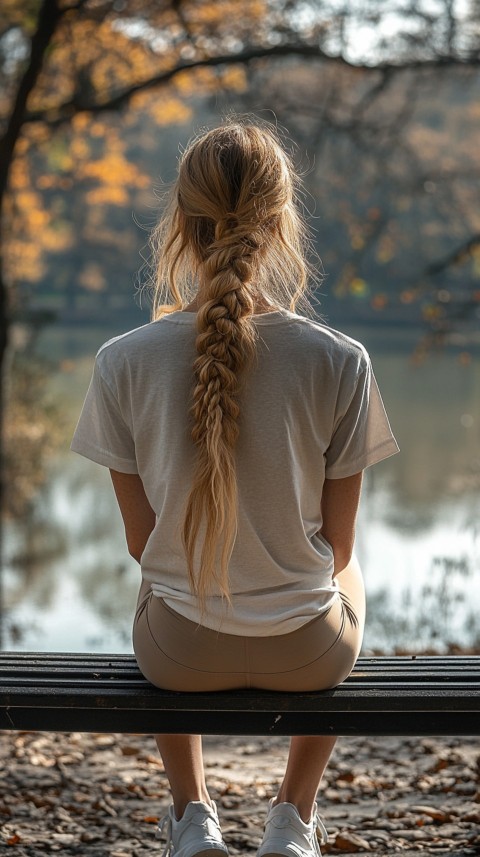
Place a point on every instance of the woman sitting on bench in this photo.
(236, 432)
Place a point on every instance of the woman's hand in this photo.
(138, 516)
(340, 501)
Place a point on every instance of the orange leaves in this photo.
(23, 261)
(169, 111)
(80, 122)
(108, 169)
(234, 77)
(32, 227)
(114, 175)
(38, 218)
(30, 204)
(19, 175)
(211, 14)
(94, 59)
(165, 106)
(189, 83)
(92, 278)
(79, 149)
(108, 195)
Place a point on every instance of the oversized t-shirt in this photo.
(310, 409)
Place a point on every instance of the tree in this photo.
(395, 169)
(67, 63)
(63, 58)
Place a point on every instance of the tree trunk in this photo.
(48, 18)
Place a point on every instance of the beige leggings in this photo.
(175, 653)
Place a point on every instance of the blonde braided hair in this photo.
(232, 238)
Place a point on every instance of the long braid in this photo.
(225, 345)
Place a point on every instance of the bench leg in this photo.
(182, 758)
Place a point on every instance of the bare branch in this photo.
(456, 257)
(177, 6)
(63, 113)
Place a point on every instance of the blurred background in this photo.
(380, 104)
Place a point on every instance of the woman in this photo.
(236, 433)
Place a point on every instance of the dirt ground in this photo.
(98, 795)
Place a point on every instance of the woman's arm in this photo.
(340, 501)
(138, 516)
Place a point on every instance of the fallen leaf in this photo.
(351, 842)
(474, 815)
(346, 776)
(436, 814)
(128, 750)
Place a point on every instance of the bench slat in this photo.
(91, 683)
(127, 663)
(106, 693)
(214, 723)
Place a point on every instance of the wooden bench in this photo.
(107, 693)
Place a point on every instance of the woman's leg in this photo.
(181, 754)
(307, 761)
(309, 755)
(183, 762)
(190, 828)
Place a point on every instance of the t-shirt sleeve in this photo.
(362, 435)
(102, 434)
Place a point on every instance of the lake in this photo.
(68, 583)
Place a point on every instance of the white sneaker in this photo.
(197, 832)
(287, 835)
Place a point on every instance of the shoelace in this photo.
(318, 828)
(166, 821)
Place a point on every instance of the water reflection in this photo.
(69, 584)
(81, 597)
(423, 584)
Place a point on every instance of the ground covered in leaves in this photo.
(101, 795)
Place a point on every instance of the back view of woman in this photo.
(236, 432)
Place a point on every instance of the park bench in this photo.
(415, 695)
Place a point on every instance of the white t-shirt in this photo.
(310, 409)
